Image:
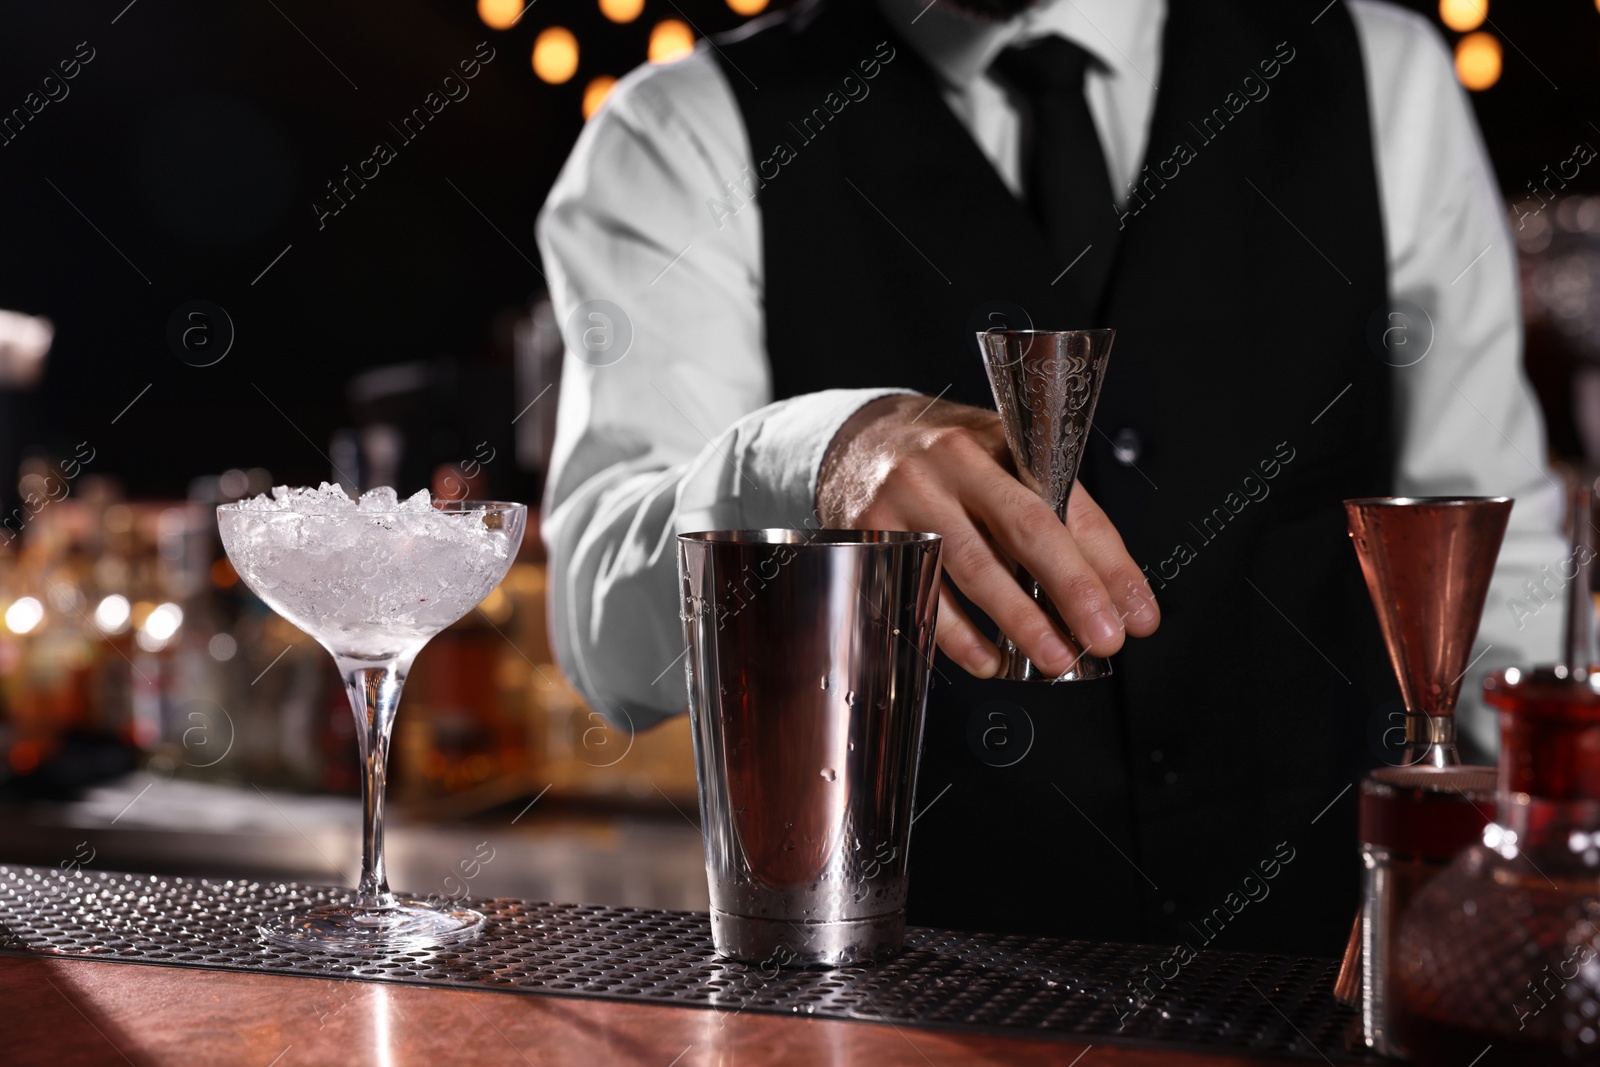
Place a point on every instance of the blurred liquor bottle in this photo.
(490, 717)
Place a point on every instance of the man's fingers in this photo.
(962, 641)
(1027, 530)
(976, 567)
(1102, 546)
(946, 471)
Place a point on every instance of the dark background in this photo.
(201, 133)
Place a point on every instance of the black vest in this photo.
(1184, 798)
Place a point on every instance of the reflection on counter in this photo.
(149, 823)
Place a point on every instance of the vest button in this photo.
(1126, 446)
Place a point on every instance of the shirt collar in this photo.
(960, 47)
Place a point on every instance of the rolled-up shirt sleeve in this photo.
(652, 243)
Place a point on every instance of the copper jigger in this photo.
(1428, 561)
(1045, 386)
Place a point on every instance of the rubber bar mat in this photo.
(991, 983)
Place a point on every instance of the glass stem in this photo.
(374, 697)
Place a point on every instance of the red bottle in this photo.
(1499, 956)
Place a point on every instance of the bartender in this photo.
(771, 258)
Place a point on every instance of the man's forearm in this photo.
(613, 549)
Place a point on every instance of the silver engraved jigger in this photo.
(808, 663)
(1045, 386)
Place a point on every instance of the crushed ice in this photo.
(362, 574)
(328, 499)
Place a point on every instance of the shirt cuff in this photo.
(762, 472)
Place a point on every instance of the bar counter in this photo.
(98, 967)
(67, 1013)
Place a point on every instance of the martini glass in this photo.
(1045, 385)
(372, 583)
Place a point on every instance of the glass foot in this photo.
(346, 927)
(1016, 667)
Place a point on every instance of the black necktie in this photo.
(1063, 167)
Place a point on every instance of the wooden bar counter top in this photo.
(71, 1012)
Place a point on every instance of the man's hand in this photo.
(905, 463)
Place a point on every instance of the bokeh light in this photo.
(233, 483)
(555, 55)
(756, 7)
(24, 615)
(164, 621)
(159, 627)
(223, 576)
(671, 39)
(111, 614)
(497, 606)
(595, 93)
(1478, 60)
(499, 14)
(1464, 15)
(621, 10)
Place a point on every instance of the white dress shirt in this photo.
(680, 431)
